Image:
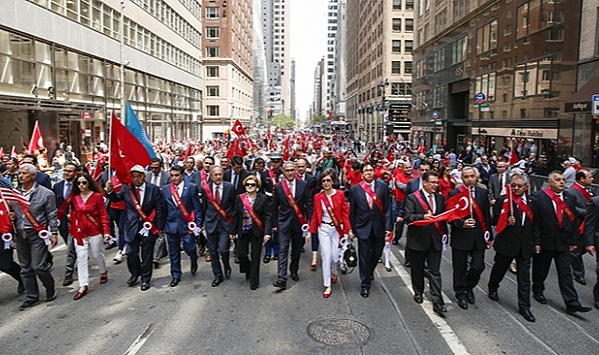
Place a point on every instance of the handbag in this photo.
(350, 256)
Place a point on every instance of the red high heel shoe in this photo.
(327, 295)
(79, 295)
(334, 279)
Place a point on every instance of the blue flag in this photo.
(133, 126)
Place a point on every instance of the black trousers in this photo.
(418, 258)
(464, 278)
(249, 248)
(500, 267)
(541, 263)
(369, 253)
(577, 263)
(141, 266)
(8, 264)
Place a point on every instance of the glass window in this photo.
(212, 110)
(212, 72)
(396, 67)
(409, 45)
(212, 52)
(409, 24)
(407, 67)
(212, 91)
(212, 12)
(397, 4)
(212, 32)
(396, 24)
(396, 46)
(409, 4)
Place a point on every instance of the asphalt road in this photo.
(231, 319)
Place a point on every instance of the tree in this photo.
(282, 121)
(318, 119)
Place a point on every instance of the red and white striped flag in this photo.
(12, 195)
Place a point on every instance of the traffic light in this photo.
(389, 129)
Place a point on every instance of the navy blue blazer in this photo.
(58, 188)
(212, 219)
(283, 216)
(546, 231)
(175, 222)
(43, 179)
(423, 237)
(152, 201)
(472, 238)
(365, 220)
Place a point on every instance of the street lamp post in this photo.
(383, 85)
(122, 59)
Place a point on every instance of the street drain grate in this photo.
(339, 332)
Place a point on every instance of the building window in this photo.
(212, 110)
(486, 84)
(212, 32)
(409, 4)
(555, 35)
(396, 67)
(397, 4)
(407, 67)
(400, 89)
(409, 45)
(597, 35)
(458, 50)
(212, 91)
(397, 24)
(410, 24)
(486, 37)
(439, 60)
(212, 72)
(532, 16)
(212, 12)
(396, 46)
(212, 52)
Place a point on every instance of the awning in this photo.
(581, 101)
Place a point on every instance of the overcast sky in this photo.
(308, 45)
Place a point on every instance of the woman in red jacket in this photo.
(330, 219)
(89, 227)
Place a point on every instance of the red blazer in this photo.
(81, 226)
(340, 208)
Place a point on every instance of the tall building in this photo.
(227, 43)
(292, 105)
(318, 102)
(338, 82)
(261, 99)
(62, 61)
(499, 73)
(275, 27)
(332, 27)
(379, 67)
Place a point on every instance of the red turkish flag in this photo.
(234, 149)
(13, 152)
(5, 223)
(2, 152)
(238, 128)
(37, 141)
(125, 151)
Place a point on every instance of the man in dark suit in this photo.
(591, 236)
(144, 205)
(469, 238)
(236, 174)
(582, 193)
(288, 223)
(514, 221)
(157, 176)
(218, 203)
(180, 219)
(62, 190)
(201, 177)
(269, 179)
(497, 182)
(555, 235)
(426, 242)
(370, 217)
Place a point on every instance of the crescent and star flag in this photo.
(238, 128)
(133, 126)
(505, 210)
(37, 141)
(125, 150)
(458, 206)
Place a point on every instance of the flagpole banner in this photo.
(134, 126)
(125, 151)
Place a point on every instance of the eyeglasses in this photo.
(175, 175)
(81, 182)
(289, 170)
(250, 184)
(327, 180)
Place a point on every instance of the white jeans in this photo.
(95, 242)
(328, 240)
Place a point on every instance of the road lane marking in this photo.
(139, 342)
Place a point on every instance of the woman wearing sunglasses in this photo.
(89, 227)
(252, 225)
(330, 219)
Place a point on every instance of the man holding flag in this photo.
(514, 220)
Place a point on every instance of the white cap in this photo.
(137, 169)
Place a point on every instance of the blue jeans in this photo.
(174, 251)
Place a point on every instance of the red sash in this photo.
(74, 229)
(273, 177)
(523, 207)
(64, 206)
(203, 176)
(188, 217)
(561, 207)
(37, 226)
(426, 207)
(329, 207)
(142, 214)
(587, 197)
(221, 211)
(250, 209)
(475, 208)
(298, 212)
(377, 201)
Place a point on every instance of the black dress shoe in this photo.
(51, 294)
(470, 297)
(493, 296)
(227, 272)
(145, 286)
(365, 292)
(439, 308)
(253, 287)
(194, 266)
(266, 259)
(580, 280)
(236, 260)
(540, 298)
(27, 304)
(156, 264)
(572, 310)
(132, 281)
(282, 285)
(462, 303)
(275, 257)
(527, 315)
(294, 276)
(407, 264)
(418, 298)
(68, 280)
(175, 282)
(217, 281)
(388, 269)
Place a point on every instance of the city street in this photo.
(231, 319)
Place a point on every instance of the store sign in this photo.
(538, 133)
(584, 106)
(86, 115)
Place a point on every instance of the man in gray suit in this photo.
(497, 182)
(157, 176)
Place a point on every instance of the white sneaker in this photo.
(118, 257)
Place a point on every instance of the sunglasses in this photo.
(81, 182)
(289, 170)
(250, 184)
(175, 175)
(327, 180)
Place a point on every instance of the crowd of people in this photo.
(271, 206)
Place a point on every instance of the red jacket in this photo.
(340, 209)
(81, 225)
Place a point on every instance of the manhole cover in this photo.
(339, 332)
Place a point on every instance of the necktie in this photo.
(501, 181)
(138, 193)
(290, 183)
(472, 192)
(217, 194)
(235, 180)
(67, 190)
(155, 180)
(431, 203)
